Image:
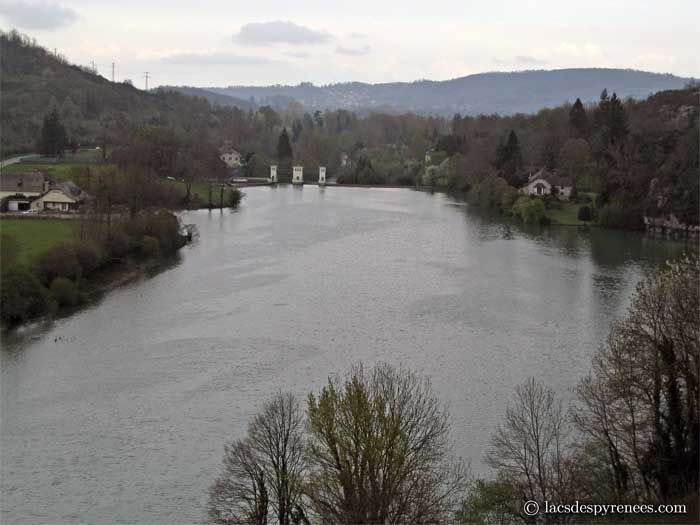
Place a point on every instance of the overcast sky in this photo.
(220, 43)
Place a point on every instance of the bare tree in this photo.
(640, 402)
(240, 494)
(264, 473)
(379, 450)
(531, 446)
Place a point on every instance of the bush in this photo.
(59, 261)
(118, 243)
(149, 247)
(489, 192)
(234, 197)
(584, 213)
(165, 227)
(22, 295)
(89, 255)
(529, 210)
(65, 292)
(616, 215)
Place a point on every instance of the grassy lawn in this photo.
(58, 171)
(567, 212)
(35, 236)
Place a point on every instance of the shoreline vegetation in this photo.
(374, 446)
(126, 218)
(42, 277)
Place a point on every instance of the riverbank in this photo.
(108, 278)
(50, 265)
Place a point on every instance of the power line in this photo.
(146, 75)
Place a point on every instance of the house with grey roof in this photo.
(19, 189)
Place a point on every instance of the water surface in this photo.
(119, 413)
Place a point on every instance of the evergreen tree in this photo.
(577, 117)
(54, 138)
(509, 159)
(297, 128)
(617, 125)
(284, 147)
(611, 119)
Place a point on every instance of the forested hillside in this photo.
(94, 110)
(484, 93)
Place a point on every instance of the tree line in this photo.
(636, 157)
(374, 446)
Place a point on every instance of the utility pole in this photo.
(112, 71)
(94, 68)
(146, 75)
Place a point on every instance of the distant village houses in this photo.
(545, 182)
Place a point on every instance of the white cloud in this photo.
(354, 52)
(279, 32)
(216, 59)
(42, 14)
(520, 60)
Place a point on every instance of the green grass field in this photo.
(567, 212)
(58, 171)
(35, 236)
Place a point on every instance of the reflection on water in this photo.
(122, 408)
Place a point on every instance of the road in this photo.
(15, 160)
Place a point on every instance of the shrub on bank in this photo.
(489, 192)
(59, 261)
(22, 295)
(118, 243)
(149, 247)
(529, 210)
(89, 255)
(584, 213)
(65, 292)
(234, 197)
(616, 215)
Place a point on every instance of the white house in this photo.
(298, 175)
(65, 197)
(231, 158)
(55, 200)
(544, 182)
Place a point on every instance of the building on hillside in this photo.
(65, 197)
(17, 190)
(545, 182)
(231, 157)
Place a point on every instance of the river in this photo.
(119, 412)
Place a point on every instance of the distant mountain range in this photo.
(485, 93)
